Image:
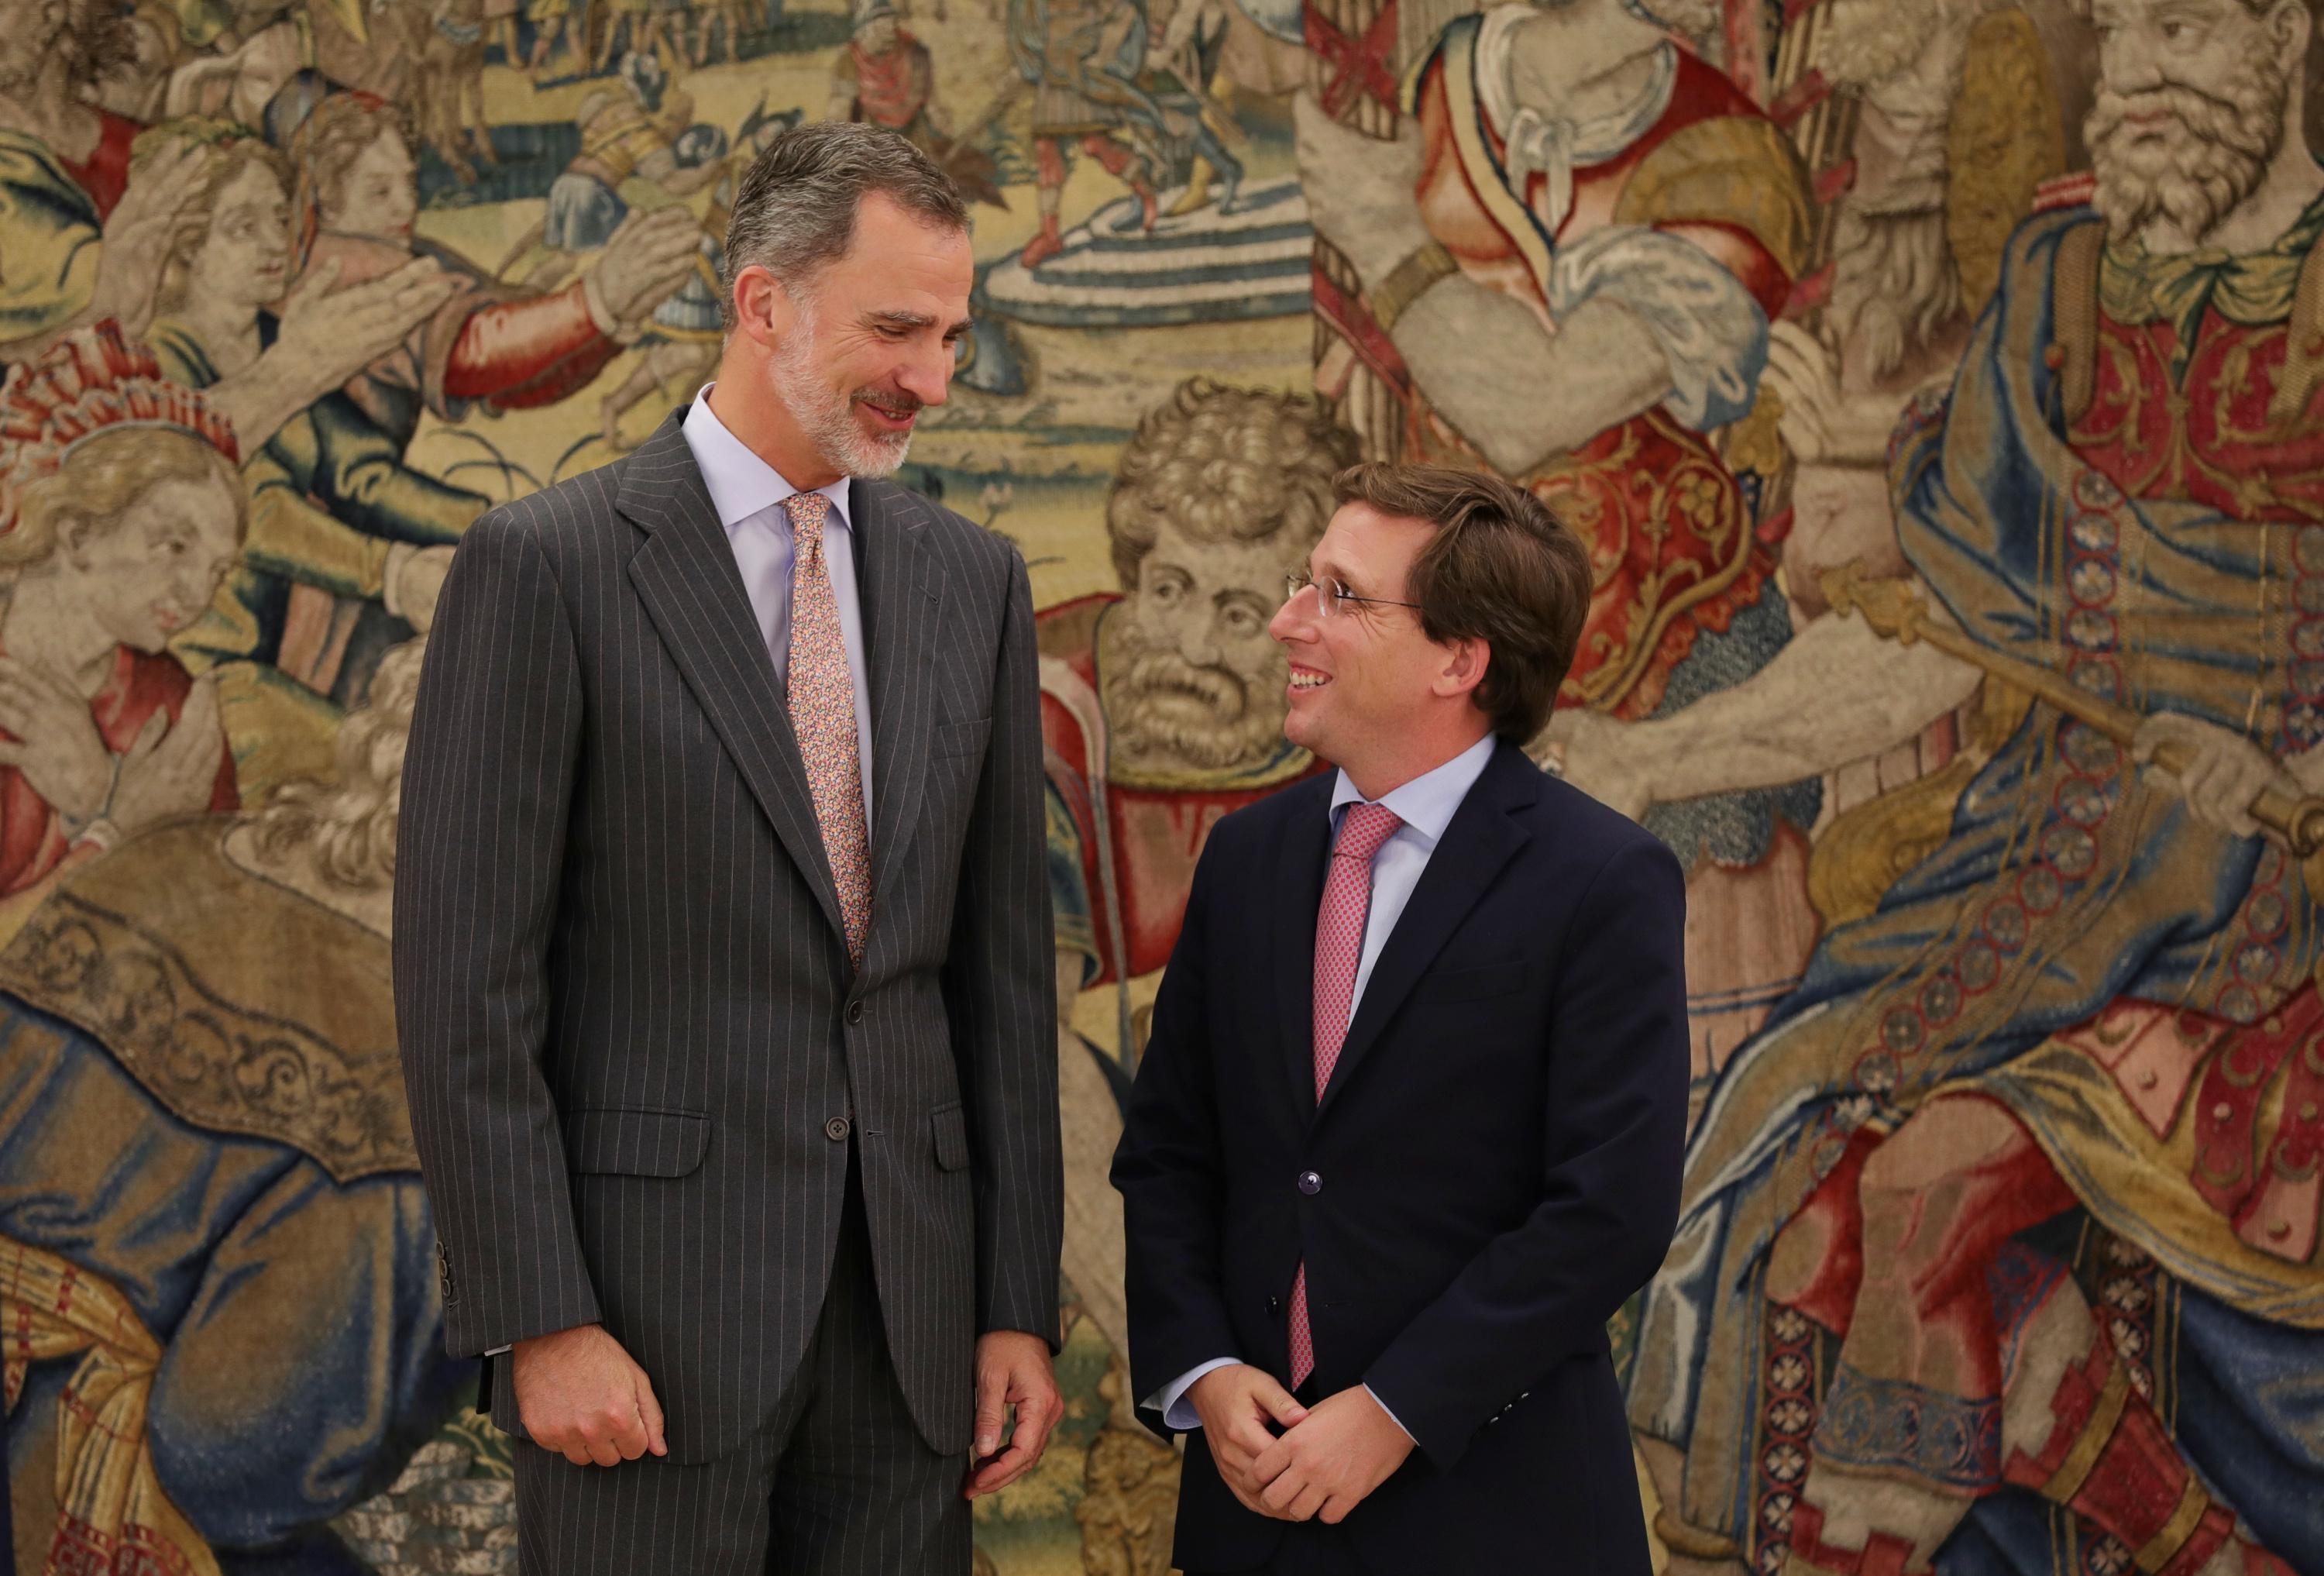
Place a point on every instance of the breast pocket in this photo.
(948, 1124)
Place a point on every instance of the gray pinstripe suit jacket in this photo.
(626, 1010)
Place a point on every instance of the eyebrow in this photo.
(903, 318)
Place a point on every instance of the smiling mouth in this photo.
(897, 420)
(1302, 678)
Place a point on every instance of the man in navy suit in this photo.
(1408, 1128)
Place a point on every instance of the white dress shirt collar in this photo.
(1425, 805)
(741, 484)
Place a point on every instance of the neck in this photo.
(225, 329)
(749, 411)
(41, 618)
(2291, 184)
(1404, 762)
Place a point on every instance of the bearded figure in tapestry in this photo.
(1999, 1249)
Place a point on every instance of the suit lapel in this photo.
(901, 595)
(1483, 837)
(1298, 886)
(686, 577)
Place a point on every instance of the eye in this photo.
(1168, 592)
(1239, 618)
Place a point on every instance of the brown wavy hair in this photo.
(1501, 568)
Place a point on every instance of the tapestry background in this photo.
(1909, 494)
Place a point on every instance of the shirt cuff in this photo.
(496, 1351)
(1178, 1414)
(1392, 1417)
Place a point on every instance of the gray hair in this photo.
(795, 212)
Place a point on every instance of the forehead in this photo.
(2131, 11)
(252, 183)
(385, 151)
(1261, 559)
(897, 261)
(183, 504)
(1362, 541)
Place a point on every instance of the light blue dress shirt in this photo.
(748, 494)
(1426, 806)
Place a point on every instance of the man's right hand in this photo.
(649, 256)
(1236, 1404)
(581, 1396)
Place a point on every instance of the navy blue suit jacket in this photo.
(1496, 1167)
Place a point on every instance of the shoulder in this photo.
(1592, 834)
(1244, 833)
(1578, 844)
(571, 524)
(966, 550)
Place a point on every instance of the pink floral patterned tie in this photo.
(1339, 949)
(823, 716)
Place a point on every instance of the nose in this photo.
(1295, 620)
(926, 376)
(2128, 63)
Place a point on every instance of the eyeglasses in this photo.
(1333, 593)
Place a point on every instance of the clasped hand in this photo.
(1328, 1461)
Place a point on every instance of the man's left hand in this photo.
(1013, 1369)
(2222, 771)
(1330, 1462)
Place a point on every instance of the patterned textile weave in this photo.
(1339, 949)
(823, 716)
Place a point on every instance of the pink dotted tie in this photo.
(1339, 949)
(823, 716)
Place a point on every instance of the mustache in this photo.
(2240, 120)
(894, 404)
(1154, 672)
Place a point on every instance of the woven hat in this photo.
(92, 381)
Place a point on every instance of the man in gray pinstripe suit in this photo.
(723, 954)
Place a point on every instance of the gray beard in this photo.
(828, 419)
(1892, 282)
(2215, 155)
(1158, 703)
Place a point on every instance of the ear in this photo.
(1465, 664)
(75, 531)
(2291, 25)
(765, 308)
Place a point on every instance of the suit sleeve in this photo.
(1614, 1120)
(1170, 1171)
(487, 779)
(999, 984)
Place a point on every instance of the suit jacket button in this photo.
(1274, 1307)
(1310, 1184)
(835, 1129)
(855, 1012)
